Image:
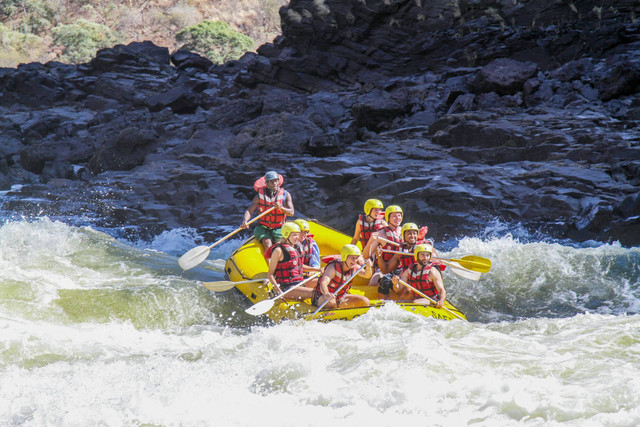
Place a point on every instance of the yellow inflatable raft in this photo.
(248, 262)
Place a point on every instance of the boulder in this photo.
(504, 76)
(280, 133)
(181, 100)
(125, 151)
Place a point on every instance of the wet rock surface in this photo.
(464, 113)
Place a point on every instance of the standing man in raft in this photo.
(270, 194)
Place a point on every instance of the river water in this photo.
(96, 330)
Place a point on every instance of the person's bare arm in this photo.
(276, 257)
(247, 214)
(436, 277)
(356, 234)
(288, 205)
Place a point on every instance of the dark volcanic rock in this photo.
(462, 112)
(274, 133)
(124, 152)
(504, 76)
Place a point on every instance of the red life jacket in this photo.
(338, 279)
(390, 235)
(289, 270)
(276, 218)
(306, 249)
(366, 228)
(419, 279)
(407, 260)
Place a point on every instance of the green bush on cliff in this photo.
(215, 40)
(9, 7)
(81, 40)
(38, 17)
(33, 16)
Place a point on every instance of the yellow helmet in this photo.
(372, 204)
(408, 226)
(304, 225)
(422, 248)
(288, 228)
(349, 250)
(391, 209)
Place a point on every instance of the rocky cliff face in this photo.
(462, 112)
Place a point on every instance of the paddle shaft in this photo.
(456, 260)
(263, 306)
(463, 260)
(389, 251)
(455, 267)
(266, 305)
(339, 289)
(198, 254)
(391, 242)
(403, 283)
(240, 229)
(483, 265)
(463, 272)
(308, 279)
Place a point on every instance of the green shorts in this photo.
(261, 232)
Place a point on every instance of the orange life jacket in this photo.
(276, 218)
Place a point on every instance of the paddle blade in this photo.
(475, 263)
(219, 286)
(260, 308)
(224, 285)
(194, 257)
(458, 270)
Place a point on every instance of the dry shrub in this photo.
(181, 15)
(155, 20)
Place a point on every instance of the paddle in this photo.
(430, 299)
(225, 285)
(338, 290)
(198, 254)
(463, 272)
(455, 267)
(471, 262)
(391, 242)
(263, 306)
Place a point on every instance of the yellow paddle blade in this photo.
(474, 263)
(194, 257)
